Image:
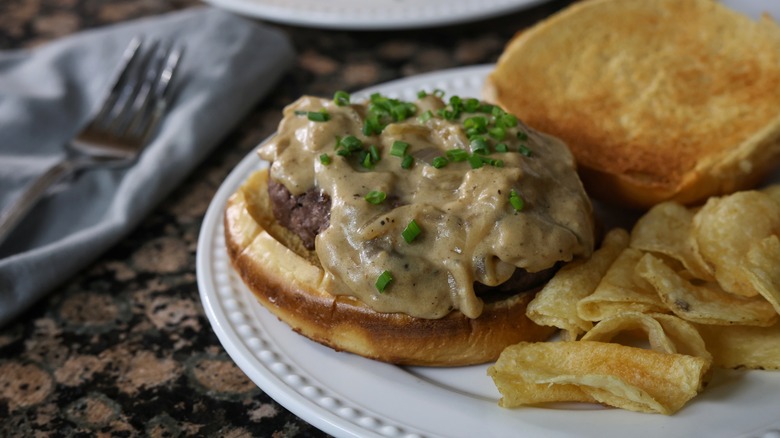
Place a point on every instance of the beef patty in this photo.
(308, 214)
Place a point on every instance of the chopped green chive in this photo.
(378, 99)
(438, 93)
(367, 160)
(456, 103)
(318, 116)
(457, 155)
(523, 149)
(398, 149)
(346, 145)
(351, 142)
(439, 162)
(314, 116)
(516, 201)
(522, 135)
(421, 94)
(374, 152)
(411, 231)
(375, 197)
(383, 280)
(424, 117)
(506, 121)
(341, 98)
(497, 132)
(407, 162)
(475, 161)
(476, 125)
(501, 147)
(402, 111)
(479, 146)
(448, 114)
(372, 126)
(487, 108)
(471, 105)
(325, 159)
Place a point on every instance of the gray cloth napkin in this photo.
(48, 93)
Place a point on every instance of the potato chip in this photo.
(726, 227)
(616, 375)
(762, 269)
(703, 302)
(556, 304)
(773, 191)
(666, 229)
(612, 328)
(664, 333)
(520, 391)
(743, 346)
(684, 334)
(694, 288)
(621, 290)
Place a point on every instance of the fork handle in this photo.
(18, 209)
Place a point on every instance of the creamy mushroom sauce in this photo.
(470, 232)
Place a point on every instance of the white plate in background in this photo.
(373, 14)
(409, 14)
(754, 8)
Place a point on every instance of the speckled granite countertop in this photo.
(124, 347)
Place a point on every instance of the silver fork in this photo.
(118, 131)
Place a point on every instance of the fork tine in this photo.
(119, 117)
(151, 103)
(142, 98)
(137, 100)
(167, 74)
(123, 70)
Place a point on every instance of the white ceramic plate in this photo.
(373, 14)
(755, 8)
(349, 396)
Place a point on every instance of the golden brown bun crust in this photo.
(287, 284)
(657, 99)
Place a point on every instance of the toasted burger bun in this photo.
(657, 99)
(286, 279)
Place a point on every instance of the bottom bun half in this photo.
(288, 281)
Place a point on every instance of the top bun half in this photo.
(657, 99)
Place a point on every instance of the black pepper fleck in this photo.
(682, 305)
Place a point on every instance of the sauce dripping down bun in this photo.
(412, 233)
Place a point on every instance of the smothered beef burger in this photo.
(412, 233)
